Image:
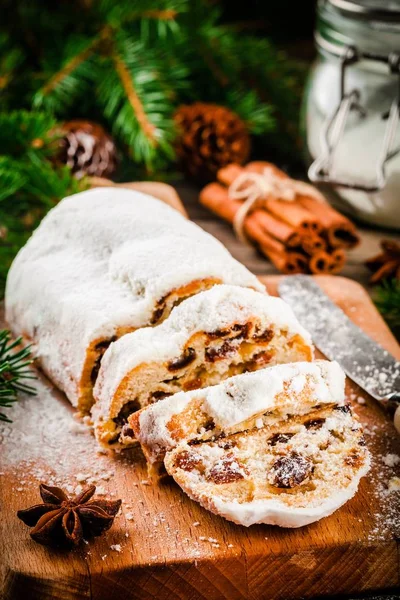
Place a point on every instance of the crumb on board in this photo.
(394, 484)
(391, 460)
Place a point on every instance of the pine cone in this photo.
(210, 137)
(87, 149)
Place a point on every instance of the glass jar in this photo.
(351, 108)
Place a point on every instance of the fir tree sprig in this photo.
(30, 183)
(127, 64)
(15, 371)
(138, 60)
(387, 299)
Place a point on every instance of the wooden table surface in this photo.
(259, 265)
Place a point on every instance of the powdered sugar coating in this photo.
(99, 261)
(214, 309)
(241, 397)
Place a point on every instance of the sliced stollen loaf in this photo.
(211, 336)
(283, 447)
(102, 263)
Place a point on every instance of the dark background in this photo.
(290, 23)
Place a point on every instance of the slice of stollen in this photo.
(240, 403)
(216, 334)
(285, 449)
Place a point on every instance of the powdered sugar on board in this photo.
(385, 470)
(47, 442)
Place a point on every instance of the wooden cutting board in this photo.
(163, 545)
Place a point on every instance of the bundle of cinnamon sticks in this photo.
(303, 234)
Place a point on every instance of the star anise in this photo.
(63, 520)
(387, 263)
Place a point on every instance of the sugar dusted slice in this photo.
(214, 335)
(288, 473)
(244, 402)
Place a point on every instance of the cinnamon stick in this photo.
(339, 258)
(289, 263)
(294, 215)
(228, 174)
(289, 233)
(291, 212)
(323, 263)
(216, 197)
(311, 244)
(256, 233)
(279, 229)
(340, 231)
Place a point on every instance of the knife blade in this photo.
(368, 364)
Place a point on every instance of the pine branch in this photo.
(257, 115)
(215, 64)
(11, 58)
(67, 69)
(22, 131)
(159, 15)
(138, 100)
(387, 299)
(11, 180)
(127, 11)
(15, 372)
(131, 62)
(134, 100)
(69, 80)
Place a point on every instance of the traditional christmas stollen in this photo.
(102, 263)
(211, 336)
(278, 446)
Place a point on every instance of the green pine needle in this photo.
(138, 102)
(387, 299)
(20, 130)
(15, 371)
(257, 115)
(68, 80)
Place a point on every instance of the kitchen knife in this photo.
(338, 338)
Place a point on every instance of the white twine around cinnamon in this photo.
(254, 188)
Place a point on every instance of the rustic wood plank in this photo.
(354, 550)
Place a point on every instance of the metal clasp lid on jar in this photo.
(320, 170)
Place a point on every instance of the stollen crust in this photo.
(102, 263)
(217, 333)
(237, 404)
